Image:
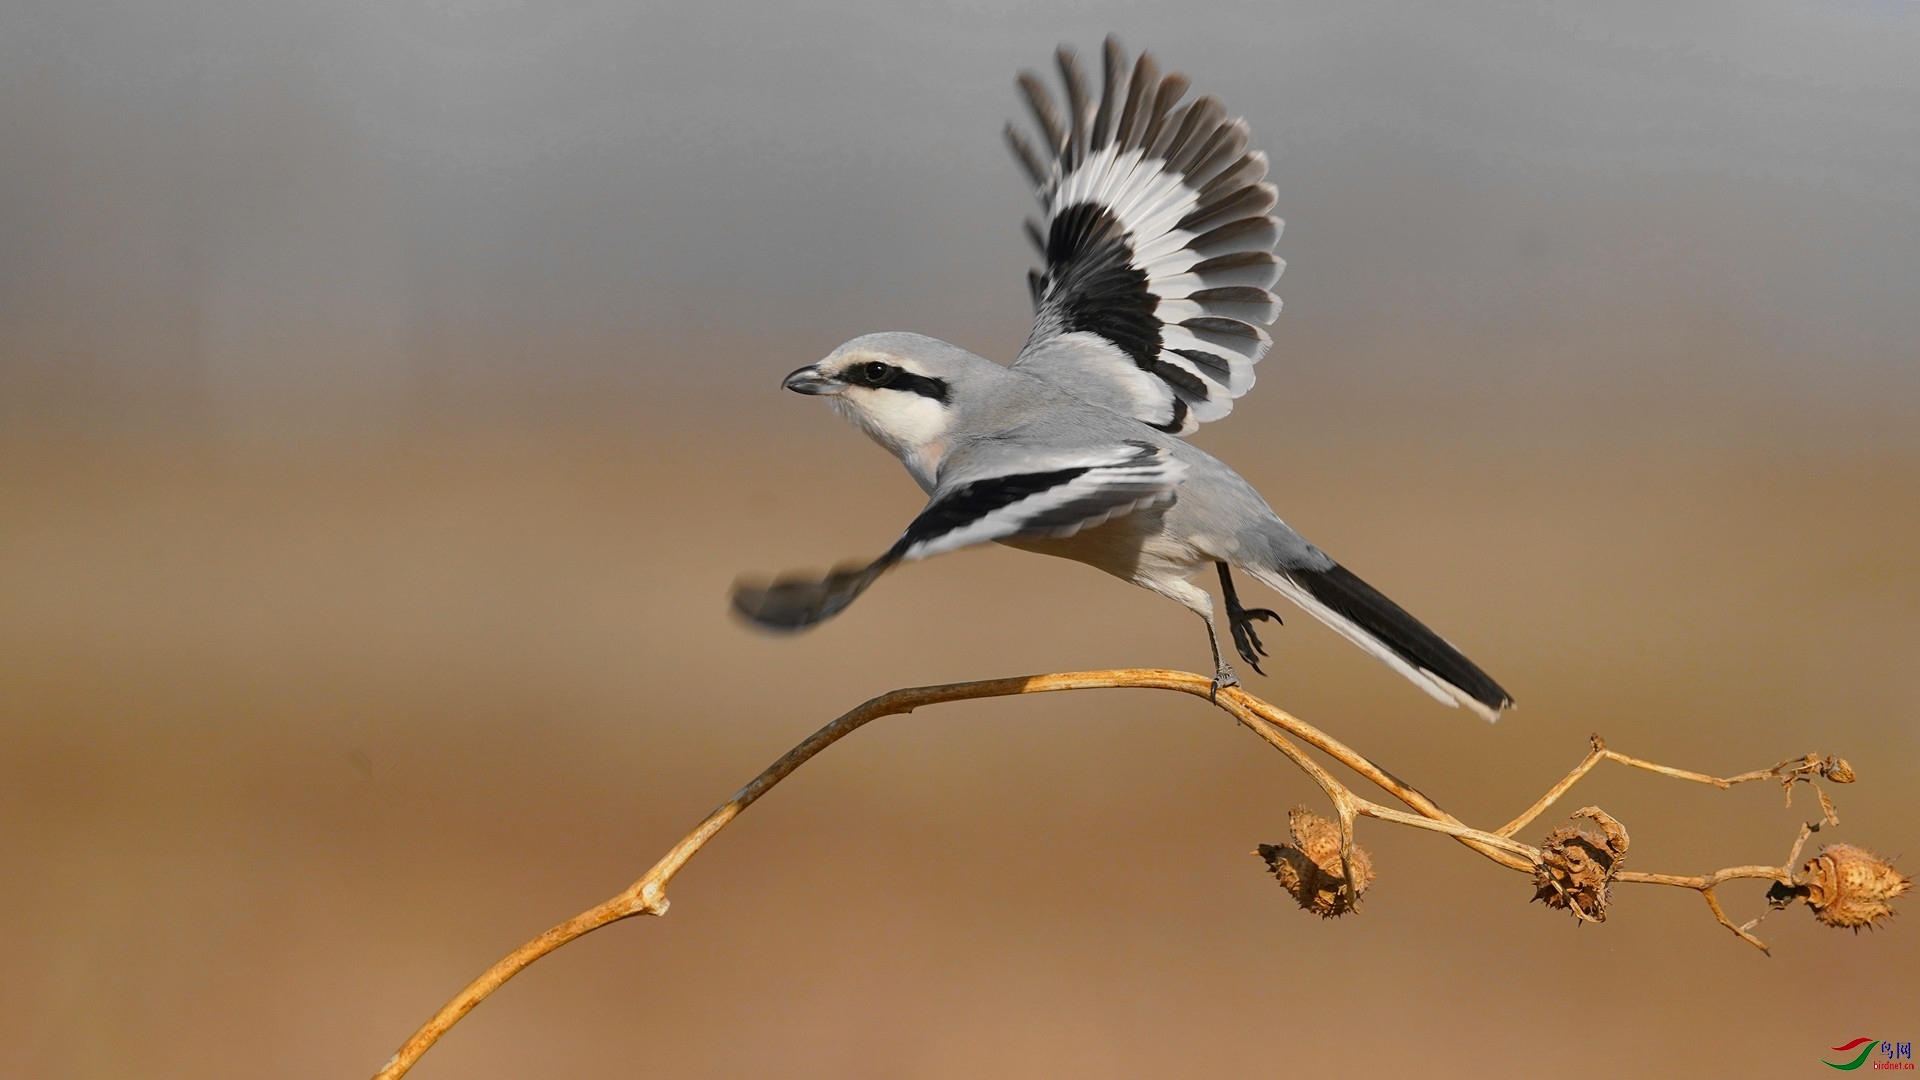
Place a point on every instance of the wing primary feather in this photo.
(1176, 121)
(1172, 89)
(1203, 122)
(1250, 169)
(1191, 115)
(1029, 159)
(1112, 63)
(1146, 77)
(1185, 382)
(1226, 147)
(1230, 334)
(1043, 114)
(1247, 202)
(1076, 108)
(1259, 269)
(1214, 367)
(1037, 285)
(1039, 242)
(1247, 234)
(1242, 302)
(1203, 145)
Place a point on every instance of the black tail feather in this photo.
(1338, 588)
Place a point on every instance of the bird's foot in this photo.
(1222, 678)
(1241, 620)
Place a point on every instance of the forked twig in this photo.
(1788, 772)
(647, 896)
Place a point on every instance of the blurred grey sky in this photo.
(325, 212)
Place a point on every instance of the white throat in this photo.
(912, 426)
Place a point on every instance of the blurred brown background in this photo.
(387, 398)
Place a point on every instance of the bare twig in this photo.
(647, 896)
(1788, 772)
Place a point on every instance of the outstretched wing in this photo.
(1052, 497)
(1158, 242)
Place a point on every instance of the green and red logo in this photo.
(1896, 1055)
(1870, 1046)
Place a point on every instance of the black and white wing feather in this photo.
(1054, 495)
(1158, 241)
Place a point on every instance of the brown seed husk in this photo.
(1576, 867)
(1309, 868)
(1849, 887)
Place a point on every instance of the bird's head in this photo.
(901, 389)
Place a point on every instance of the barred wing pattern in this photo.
(1158, 241)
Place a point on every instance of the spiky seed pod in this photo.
(1309, 868)
(1849, 887)
(1576, 867)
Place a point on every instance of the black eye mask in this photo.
(877, 375)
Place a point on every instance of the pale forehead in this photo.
(848, 355)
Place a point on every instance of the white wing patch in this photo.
(1158, 244)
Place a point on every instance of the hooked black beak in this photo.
(808, 380)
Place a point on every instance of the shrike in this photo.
(1158, 243)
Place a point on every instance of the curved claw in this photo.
(1247, 643)
(1245, 640)
(1240, 620)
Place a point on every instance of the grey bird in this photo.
(1159, 247)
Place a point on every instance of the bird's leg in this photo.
(1240, 621)
(1200, 602)
(1222, 671)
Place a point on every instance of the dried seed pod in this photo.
(1309, 868)
(1848, 886)
(1837, 770)
(1576, 867)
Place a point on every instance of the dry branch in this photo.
(1573, 869)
